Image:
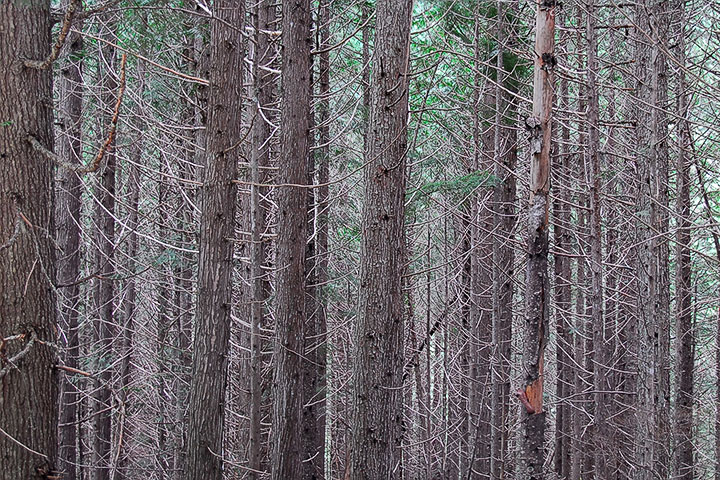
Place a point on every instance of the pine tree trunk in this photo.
(563, 306)
(291, 311)
(646, 437)
(105, 266)
(601, 373)
(67, 221)
(28, 382)
(264, 88)
(214, 301)
(504, 218)
(378, 370)
(685, 335)
(532, 443)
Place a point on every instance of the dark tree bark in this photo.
(214, 301)
(504, 218)
(105, 265)
(315, 328)
(28, 383)
(601, 374)
(378, 370)
(685, 335)
(291, 312)
(661, 227)
(646, 435)
(67, 220)
(130, 301)
(264, 90)
(563, 301)
(532, 442)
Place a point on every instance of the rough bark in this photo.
(660, 227)
(646, 265)
(129, 309)
(104, 288)
(563, 297)
(264, 92)
(504, 218)
(532, 442)
(67, 220)
(291, 312)
(685, 335)
(28, 384)
(601, 374)
(378, 370)
(214, 300)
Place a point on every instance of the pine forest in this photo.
(359, 240)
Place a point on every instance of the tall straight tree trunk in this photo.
(67, 221)
(214, 302)
(646, 435)
(264, 90)
(661, 226)
(685, 335)
(323, 214)
(532, 442)
(105, 266)
(291, 312)
(28, 383)
(313, 431)
(129, 304)
(379, 336)
(315, 328)
(504, 196)
(601, 373)
(563, 307)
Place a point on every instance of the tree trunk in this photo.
(105, 266)
(291, 313)
(129, 304)
(601, 374)
(646, 437)
(28, 384)
(67, 221)
(214, 301)
(378, 370)
(532, 443)
(504, 218)
(264, 91)
(563, 302)
(685, 335)
(661, 227)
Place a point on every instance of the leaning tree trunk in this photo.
(28, 385)
(214, 302)
(532, 441)
(378, 370)
(290, 312)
